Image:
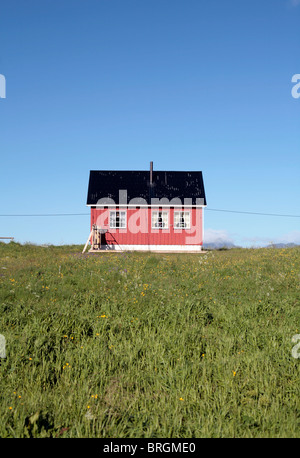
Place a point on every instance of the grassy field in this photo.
(129, 345)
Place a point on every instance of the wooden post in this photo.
(94, 238)
(87, 241)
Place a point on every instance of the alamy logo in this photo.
(296, 88)
(2, 346)
(2, 87)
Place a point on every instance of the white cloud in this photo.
(222, 237)
(290, 237)
(217, 236)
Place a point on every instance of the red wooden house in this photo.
(146, 210)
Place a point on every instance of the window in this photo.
(182, 220)
(159, 220)
(117, 219)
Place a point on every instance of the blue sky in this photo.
(115, 84)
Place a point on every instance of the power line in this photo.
(206, 209)
(252, 213)
(51, 214)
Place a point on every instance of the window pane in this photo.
(154, 219)
(112, 219)
(165, 219)
(187, 220)
(160, 220)
(123, 219)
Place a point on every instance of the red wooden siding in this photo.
(138, 229)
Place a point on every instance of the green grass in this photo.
(149, 345)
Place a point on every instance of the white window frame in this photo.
(111, 212)
(163, 213)
(186, 225)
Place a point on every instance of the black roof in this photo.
(105, 185)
